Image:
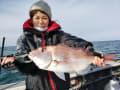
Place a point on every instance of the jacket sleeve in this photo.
(21, 45)
(74, 41)
(21, 49)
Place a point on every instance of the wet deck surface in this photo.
(13, 86)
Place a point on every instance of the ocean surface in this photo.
(107, 47)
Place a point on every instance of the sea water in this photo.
(107, 47)
(7, 77)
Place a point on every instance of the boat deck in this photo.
(13, 86)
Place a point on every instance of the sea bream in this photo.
(62, 58)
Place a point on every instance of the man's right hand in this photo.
(7, 60)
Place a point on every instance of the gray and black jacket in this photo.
(31, 39)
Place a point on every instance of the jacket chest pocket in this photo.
(39, 42)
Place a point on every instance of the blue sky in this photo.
(93, 20)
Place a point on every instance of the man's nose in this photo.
(41, 21)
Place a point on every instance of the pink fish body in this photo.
(61, 58)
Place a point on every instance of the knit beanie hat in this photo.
(42, 6)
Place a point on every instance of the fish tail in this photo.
(109, 57)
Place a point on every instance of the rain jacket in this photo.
(31, 39)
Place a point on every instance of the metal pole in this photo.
(2, 51)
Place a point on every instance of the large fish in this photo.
(62, 58)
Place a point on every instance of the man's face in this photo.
(40, 20)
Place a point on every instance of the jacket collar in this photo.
(28, 27)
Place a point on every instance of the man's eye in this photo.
(37, 18)
(44, 18)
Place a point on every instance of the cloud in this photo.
(13, 14)
(93, 20)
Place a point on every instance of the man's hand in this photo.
(7, 60)
(98, 61)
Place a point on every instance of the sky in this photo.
(92, 20)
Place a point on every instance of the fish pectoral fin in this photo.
(56, 62)
(46, 67)
(52, 62)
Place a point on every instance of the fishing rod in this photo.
(23, 58)
(105, 74)
(2, 51)
(19, 58)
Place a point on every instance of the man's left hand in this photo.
(98, 61)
